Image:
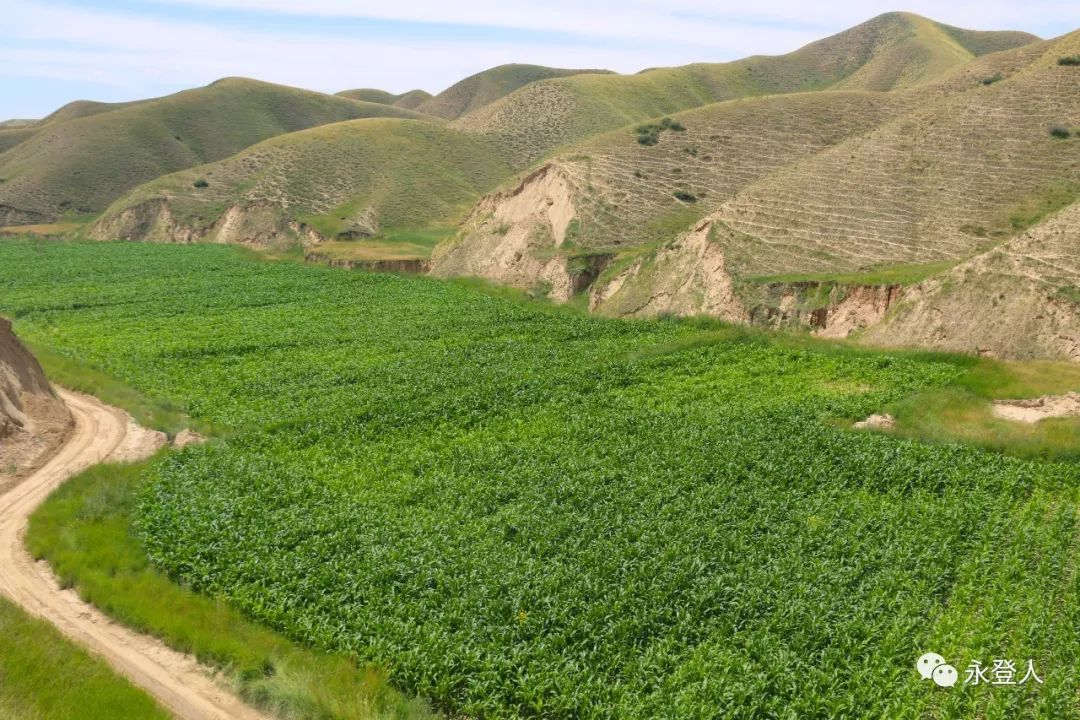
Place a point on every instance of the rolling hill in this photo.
(811, 208)
(484, 88)
(409, 100)
(80, 165)
(892, 50)
(345, 180)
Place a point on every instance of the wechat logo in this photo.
(933, 667)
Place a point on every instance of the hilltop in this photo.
(484, 88)
(409, 100)
(81, 163)
(890, 51)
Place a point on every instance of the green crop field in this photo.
(524, 512)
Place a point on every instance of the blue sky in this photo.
(54, 51)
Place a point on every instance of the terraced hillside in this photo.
(351, 179)
(903, 48)
(935, 184)
(1021, 299)
(614, 194)
(409, 100)
(82, 164)
(753, 210)
(484, 88)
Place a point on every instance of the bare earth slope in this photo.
(33, 421)
(82, 164)
(1021, 299)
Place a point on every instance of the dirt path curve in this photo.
(176, 680)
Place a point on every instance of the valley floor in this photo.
(518, 510)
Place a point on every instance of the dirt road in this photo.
(176, 680)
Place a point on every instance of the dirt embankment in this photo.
(515, 237)
(34, 422)
(153, 220)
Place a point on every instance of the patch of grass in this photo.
(963, 413)
(1038, 206)
(649, 134)
(891, 275)
(84, 531)
(43, 676)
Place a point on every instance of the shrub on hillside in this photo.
(650, 134)
(201, 183)
(992, 79)
(1069, 60)
(1060, 132)
(685, 196)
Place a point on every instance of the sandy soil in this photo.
(1032, 411)
(877, 422)
(176, 680)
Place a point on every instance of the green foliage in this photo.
(84, 531)
(996, 77)
(521, 512)
(1073, 60)
(201, 183)
(44, 677)
(1062, 133)
(649, 134)
(686, 197)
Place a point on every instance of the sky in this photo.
(55, 51)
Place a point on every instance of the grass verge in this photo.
(963, 412)
(84, 531)
(45, 677)
(78, 376)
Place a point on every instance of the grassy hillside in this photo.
(356, 179)
(16, 123)
(408, 100)
(521, 512)
(628, 194)
(486, 87)
(12, 136)
(903, 48)
(86, 108)
(938, 183)
(83, 164)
